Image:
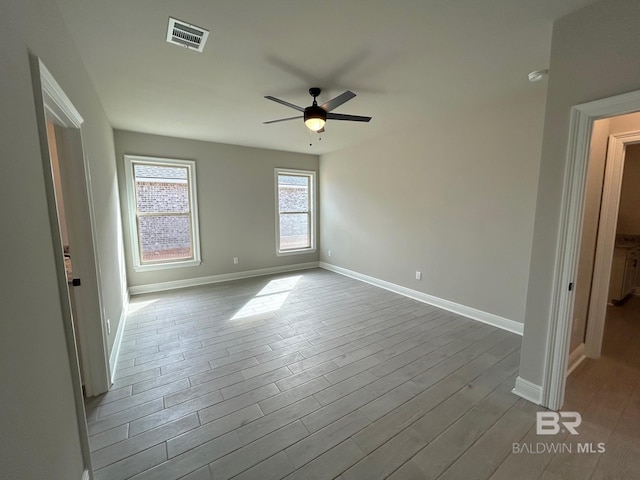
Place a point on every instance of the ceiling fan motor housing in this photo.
(314, 111)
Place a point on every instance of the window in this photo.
(163, 212)
(295, 211)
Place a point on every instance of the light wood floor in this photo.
(313, 375)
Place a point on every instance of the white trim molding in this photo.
(115, 351)
(225, 277)
(85, 475)
(575, 358)
(57, 101)
(469, 312)
(528, 390)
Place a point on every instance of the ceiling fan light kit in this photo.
(315, 116)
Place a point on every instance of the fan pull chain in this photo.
(311, 138)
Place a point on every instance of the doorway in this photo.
(61, 135)
(582, 125)
(54, 109)
(610, 231)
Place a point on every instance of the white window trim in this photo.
(312, 211)
(138, 266)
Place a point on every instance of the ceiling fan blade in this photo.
(282, 119)
(277, 100)
(351, 118)
(339, 100)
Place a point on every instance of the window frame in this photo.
(312, 210)
(190, 165)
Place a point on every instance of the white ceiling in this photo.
(405, 59)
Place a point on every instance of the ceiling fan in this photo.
(316, 115)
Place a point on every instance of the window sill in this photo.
(165, 266)
(295, 252)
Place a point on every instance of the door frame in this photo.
(59, 108)
(569, 236)
(52, 103)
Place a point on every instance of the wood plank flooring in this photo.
(313, 375)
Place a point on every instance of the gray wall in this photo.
(594, 55)
(39, 435)
(453, 199)
(236, 203)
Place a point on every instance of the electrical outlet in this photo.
(108, 327)
(329, 253)
(418, 275)
(235, 260)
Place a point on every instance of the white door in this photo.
(68, 236)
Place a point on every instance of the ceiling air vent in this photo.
(186, 35)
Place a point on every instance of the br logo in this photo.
(552, 423)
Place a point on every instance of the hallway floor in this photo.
(606, 392)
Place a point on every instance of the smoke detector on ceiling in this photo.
(538, 75)
(186, 35)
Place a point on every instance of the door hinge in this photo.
(570, 286)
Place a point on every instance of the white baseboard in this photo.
(484, 317)
(115, 351)
(575, 358)
(225, 277)
(528, 390)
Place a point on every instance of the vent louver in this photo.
(186, 35)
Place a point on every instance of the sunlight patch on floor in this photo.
(135, 307)
(270, 298)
